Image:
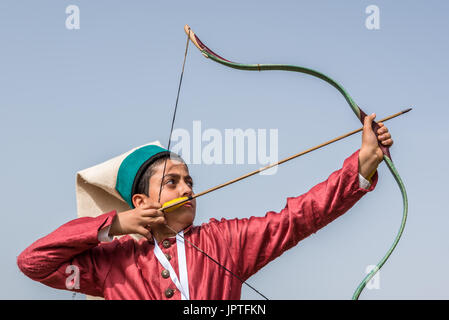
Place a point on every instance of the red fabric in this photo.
(127, 269)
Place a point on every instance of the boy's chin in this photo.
(186, 216)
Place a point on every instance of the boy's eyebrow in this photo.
(175, 175)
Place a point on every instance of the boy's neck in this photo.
(163, 233)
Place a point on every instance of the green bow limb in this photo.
(354, 107)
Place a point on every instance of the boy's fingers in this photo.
(159, 220)
(152, 220)
(143, 231)
(152, 213)
(151, 205)
(382, 130)
(145, 221)
(388, 142)
(385, 136)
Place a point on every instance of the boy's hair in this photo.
(143, 184)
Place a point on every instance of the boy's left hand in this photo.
(370, 155)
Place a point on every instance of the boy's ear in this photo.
(139, 199)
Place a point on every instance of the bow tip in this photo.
(193, 37)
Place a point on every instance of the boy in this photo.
(148, 268)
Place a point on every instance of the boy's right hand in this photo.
(138, 220)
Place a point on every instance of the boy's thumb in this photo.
(368, 120)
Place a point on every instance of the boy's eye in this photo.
(170, 181)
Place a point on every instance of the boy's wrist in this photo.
(114, 229)
(368, 163)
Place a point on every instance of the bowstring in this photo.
(163, 176)
(174, 115)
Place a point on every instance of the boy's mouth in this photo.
(188, 204)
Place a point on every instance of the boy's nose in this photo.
(186, 190)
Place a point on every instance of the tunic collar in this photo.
(171, 239)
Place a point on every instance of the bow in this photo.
(208, 53)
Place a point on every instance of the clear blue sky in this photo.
(71, 99)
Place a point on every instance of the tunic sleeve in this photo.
(254, 242)
(71, 257)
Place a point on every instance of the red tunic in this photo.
(128, 269)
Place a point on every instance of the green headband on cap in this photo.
(133, 167)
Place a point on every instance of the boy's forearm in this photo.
(368, 163)
(341, 190)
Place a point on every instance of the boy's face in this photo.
(177, 183)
